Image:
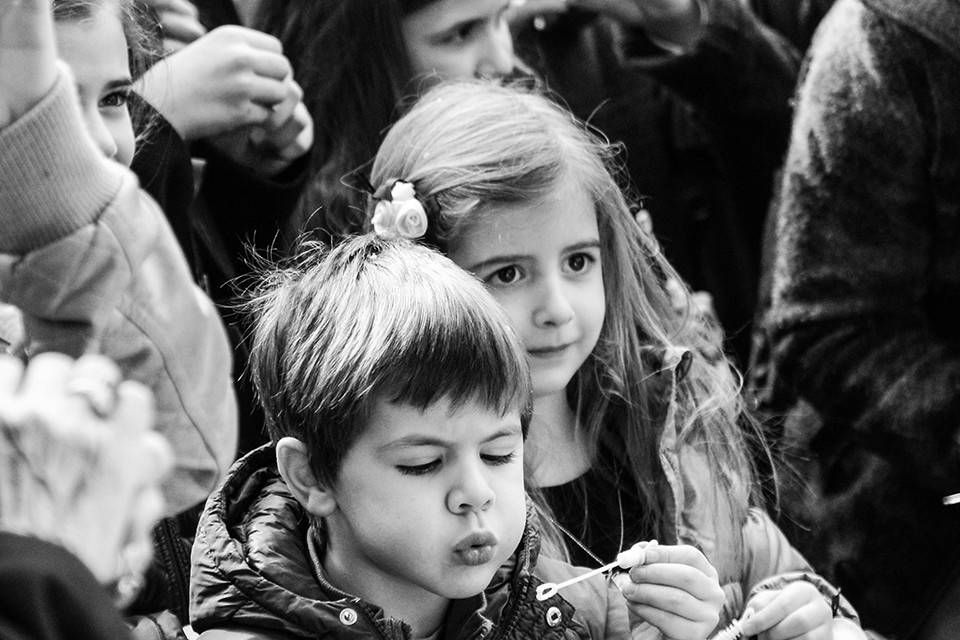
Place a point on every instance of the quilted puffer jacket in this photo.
(256, 574)
(92, 265)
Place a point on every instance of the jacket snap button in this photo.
(554, 617)
(348, 617)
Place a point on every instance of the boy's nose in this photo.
(472, 493)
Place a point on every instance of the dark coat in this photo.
(46, 593)
(861, 346)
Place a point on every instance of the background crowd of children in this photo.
(371, 318)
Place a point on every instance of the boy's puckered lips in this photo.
(476, 548)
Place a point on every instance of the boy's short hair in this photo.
(374, 319)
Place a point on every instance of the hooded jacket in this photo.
(257, 574)
(861, 347)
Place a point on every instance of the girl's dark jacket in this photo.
(861, 348)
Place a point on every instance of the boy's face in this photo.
(429, 504)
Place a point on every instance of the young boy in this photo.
(392, 502)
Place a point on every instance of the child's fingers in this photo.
(672, 600)
(178, 26)
(807, 623)
(679, 554)
(679, 576)
(135, 409)
(46, 375)
(11, 372)
(773, 607)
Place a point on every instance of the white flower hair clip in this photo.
(399, 214)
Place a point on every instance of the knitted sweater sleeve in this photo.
(93, 266)
(855, 272)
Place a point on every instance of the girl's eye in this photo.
(506, 275)
(115, 99)
(579, 262)
(496, 461)
(461, 34)
(419, 469)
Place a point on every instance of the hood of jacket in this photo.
(254, 566)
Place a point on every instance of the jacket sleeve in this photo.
(93, 266)
(854, 275)
(738, 67)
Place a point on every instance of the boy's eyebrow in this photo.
(119, 83)
(418, 440)
(518, 257)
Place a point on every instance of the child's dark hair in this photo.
(351, 60)
(142, 33)
(372, 319)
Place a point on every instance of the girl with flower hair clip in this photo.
(636, 435)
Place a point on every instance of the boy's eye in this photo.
(497, 460)
(506, 275)
(419, 469)
(115, 99)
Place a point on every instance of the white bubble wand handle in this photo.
(625, 559)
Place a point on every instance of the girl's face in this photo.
(459, 39)
(541, 262)
(95, 48)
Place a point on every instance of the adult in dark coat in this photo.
(861, 349)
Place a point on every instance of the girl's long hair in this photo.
(469, 147)
(350, 59)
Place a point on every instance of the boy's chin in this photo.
(467, 586)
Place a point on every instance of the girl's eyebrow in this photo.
(593, 243)
(119, 83)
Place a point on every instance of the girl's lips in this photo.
(548, 351)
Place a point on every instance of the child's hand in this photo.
(80, 465)
(676, 590)
(230, 78)
(180, 22)
(270, 148)
(28, 56)
(796, 611)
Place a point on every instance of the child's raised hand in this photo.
(28, 56)
(676, 590)
(270, 148)
(796, 611)
(80, 465)
(230, 78)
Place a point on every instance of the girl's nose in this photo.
(496, 58)
(471, 493)
(100, 132)
(554, 308)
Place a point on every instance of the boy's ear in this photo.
(294, 466)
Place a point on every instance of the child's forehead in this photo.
(443, 421)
